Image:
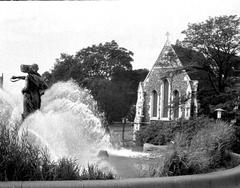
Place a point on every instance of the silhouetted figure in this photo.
(33, 90)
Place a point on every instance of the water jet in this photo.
(68, 125)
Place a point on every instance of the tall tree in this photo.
(62, 67)
(106, 70)
(101, 60)
(218, 38)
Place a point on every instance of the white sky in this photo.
(37, 32)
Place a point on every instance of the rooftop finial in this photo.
(167, 35)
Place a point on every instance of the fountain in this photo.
(68, 125)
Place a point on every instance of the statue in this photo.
(33, 90)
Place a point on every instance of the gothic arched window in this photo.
(165, 98)
(154, 103)
(176, 104)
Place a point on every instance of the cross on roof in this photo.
(167, 35)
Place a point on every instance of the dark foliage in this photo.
(161, 133)
(105, 70)
(218, 39)
(236, 144)
(228, 101)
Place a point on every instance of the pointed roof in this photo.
(163, 55)
(164, 59)
(181, 57)
(168, 57)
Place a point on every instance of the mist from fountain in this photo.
(68, 123)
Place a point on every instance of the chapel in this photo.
(169, 91)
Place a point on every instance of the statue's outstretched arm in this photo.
(16, 78)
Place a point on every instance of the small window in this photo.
(165, 98)
(154, 104)
(176, 104)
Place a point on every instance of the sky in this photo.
(38, 31)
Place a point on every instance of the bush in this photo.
(66, 169)
(210, 144)
(205, 153)
(149, 135)
(175, 161)
(18, 159)
(161, 133)
(21, 161)
(158, 133)
(198, 149)
(236, 145)
(191, 127)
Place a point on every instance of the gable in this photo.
(166, 61)
(167, 58)
(176, 58)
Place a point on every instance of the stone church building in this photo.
(169, 92)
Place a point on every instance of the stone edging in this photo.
(223, 179)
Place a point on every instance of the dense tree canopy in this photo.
(101, 60)
(106, 70)
(218, 38)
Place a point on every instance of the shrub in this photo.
(18, 159)
(149, 135)
(205, 152)
(210, 144)
(66, 169)
(175, 162)
(236, 145)
(200, 146)
(191, 127)
(161, 133)
(158, 133)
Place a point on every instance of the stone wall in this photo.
(154, 81)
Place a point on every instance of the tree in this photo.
(62, 67)
(111, 98)
(105, 70)
(218, 38)
(101, 60)
(97, 61)
(117, 96)
(127, 82)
